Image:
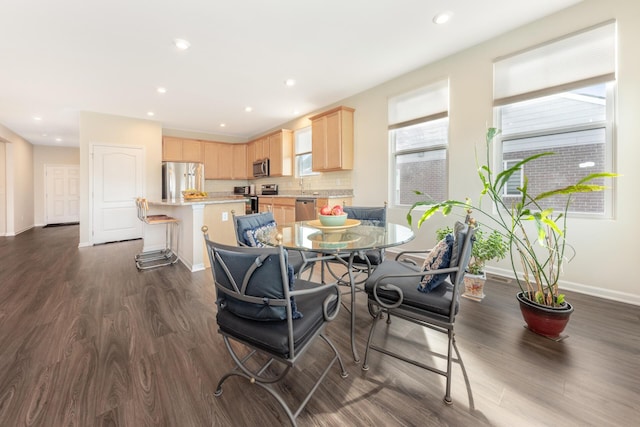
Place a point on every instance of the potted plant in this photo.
(536, 236)
(486, 247)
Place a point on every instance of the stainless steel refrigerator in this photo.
(180, 176)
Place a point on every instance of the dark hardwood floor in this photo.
(86, 339)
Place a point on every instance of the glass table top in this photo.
(308, 236)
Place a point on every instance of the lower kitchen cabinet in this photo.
(283, 208)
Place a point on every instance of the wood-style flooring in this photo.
(87, 340)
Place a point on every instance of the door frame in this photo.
(91, 180)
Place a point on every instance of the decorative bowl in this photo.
(332, 220)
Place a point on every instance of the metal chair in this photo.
(248, 226)
(153, 259)
(367, 261)
(393, 290)
(267, 318)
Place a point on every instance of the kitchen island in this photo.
(215, 213)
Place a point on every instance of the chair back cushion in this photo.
(376, 216)
(459, 233)
(439, 257)
(251, 283)
(248, 227)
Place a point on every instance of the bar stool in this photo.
(166, 256)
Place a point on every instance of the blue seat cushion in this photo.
(273, 336)
(437, 301)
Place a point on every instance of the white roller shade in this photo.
(420, 103)
(581, 59)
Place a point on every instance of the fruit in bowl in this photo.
(332, 216)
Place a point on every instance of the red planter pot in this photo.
(544, 320)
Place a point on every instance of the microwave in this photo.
(261, 168)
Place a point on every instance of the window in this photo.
(572, 117)
(303, 152)
(515, 181)
(418, 138)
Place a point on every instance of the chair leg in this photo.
(365, 364)
(447, 396)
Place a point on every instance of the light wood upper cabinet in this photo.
(332, 140)
(211, 155)
(225, 161)
(182, 150)
(281, 153)
(240, 170)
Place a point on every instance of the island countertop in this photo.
(205, 201)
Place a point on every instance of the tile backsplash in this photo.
(322, 181)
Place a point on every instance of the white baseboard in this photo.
(507, 276)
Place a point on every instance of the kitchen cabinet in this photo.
(261, 148)
(225, 161)
(240, 170)
(332, 140)
(281, 153)
(182, 149)
(283, 208)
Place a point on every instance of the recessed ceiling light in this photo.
(162, 90)
(37, 118)
(290, 82)
(296, 112)
(222, 125)
(58, 139)
(442, 17)
(150, 113)
(182, 44)
(44, 134)
(248, 109)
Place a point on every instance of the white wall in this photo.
(44, 155)
(18, 171)
(106, 129)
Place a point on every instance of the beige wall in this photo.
(43, 156)
(115, 130)
(3, 188)
(601, 264)
(18, 171)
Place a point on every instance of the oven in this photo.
(250, 199)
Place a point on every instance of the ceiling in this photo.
(66, 56)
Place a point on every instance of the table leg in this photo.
(352, 284)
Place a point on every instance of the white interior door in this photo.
(62, 194)
(117, 181)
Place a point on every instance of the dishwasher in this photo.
(305, 209)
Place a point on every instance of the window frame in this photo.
(394, 187)
(608, 124)
(297, 155)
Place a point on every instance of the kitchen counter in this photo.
(205, 201)
(310, 196)
(214, 212)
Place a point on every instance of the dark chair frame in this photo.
(385, 297)
(325, 300)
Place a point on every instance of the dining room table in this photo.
(344, 242)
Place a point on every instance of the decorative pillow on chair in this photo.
(439, 257)
(251, 234)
